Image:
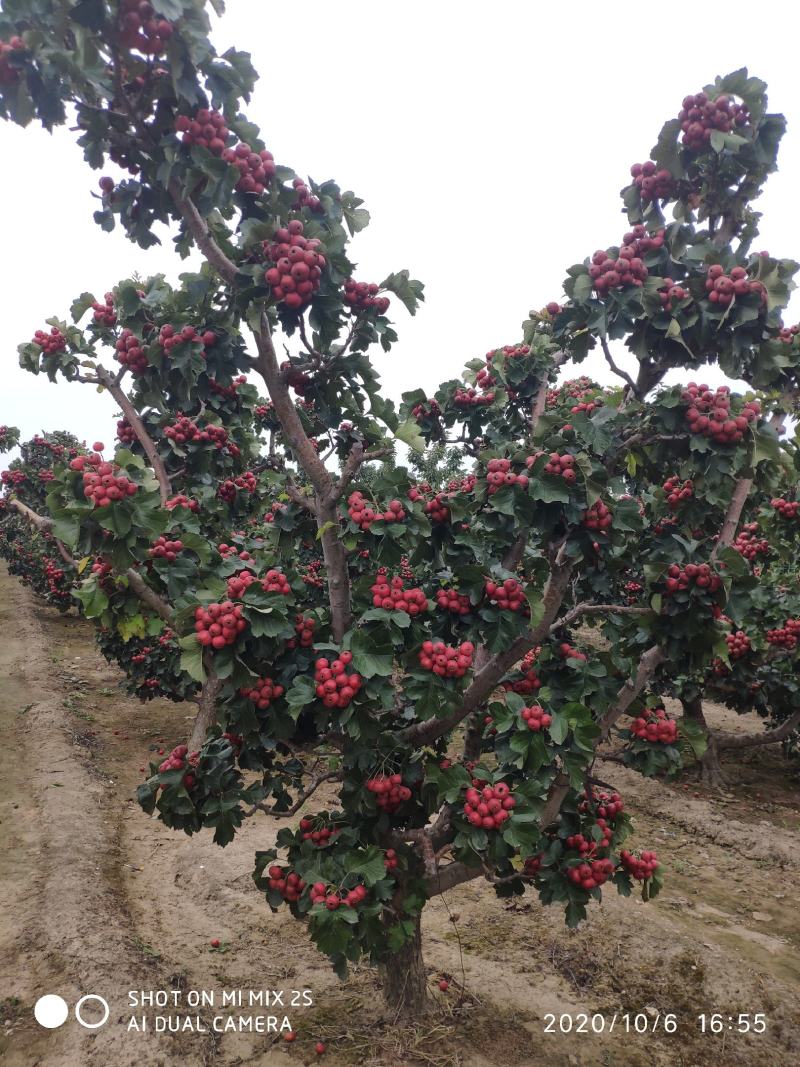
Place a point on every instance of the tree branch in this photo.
(585, 608)
(486, 679)
(649, 662)
(145, 440)
(353, 464)
(780, 733)
(450, 876)
(618, 370)
(198, 228)
(149, 596)
(207, 712)
(739, 498)
(329, 776)
(136, 582)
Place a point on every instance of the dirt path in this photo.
(96, 898)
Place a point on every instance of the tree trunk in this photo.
(710, 768)
(404, 979)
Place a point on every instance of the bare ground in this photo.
(96, 898)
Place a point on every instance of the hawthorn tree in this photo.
(436, 668)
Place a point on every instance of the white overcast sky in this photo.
(489, 142)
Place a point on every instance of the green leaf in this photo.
(408, 432)
(192, 658)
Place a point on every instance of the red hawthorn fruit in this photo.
(445, 660)
(335, 687)
(490, 806)
(298, 265)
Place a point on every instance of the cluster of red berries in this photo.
(722, 287)
(219, 625)
(530, 681)
(642, 867)
(508, 595)
(363, 515)
(9, 75)
(738, 644)
(319, 837)
(237, 584)
(511, 351)
(787, 334)
(389, 791)
(471, 398)
(426, 409)
(245, 483)
(499, 473)
(177, 761)
(628, 268)
(104, 314)
(100, 484)
(256, 169)
(490, 806)
(335, 687)
(748, 542)
(572, 389)
(50, 343)
(654, 725)
(185, 431)
(785, 636)
(54, 575)
(485, 379)
(390, 860)
(262, 693)
(129, 352)
(693, 574)
(298, 265)
(633, 590)
(586, 407)
(564, 466)
(392, 595)
(709, 413)
(142, 29)
(13, 477)
(229, 391)
(652, 181)
(206, 129)
(605, 805)
(566, 651)
(103, 570)
(677, 491)
(275, 581)
(592, 874)
(446, 661)
(453, 601)
(361, 296)
(598, 517)
(182, 501)
(125, 432)
(226, 550)
(304, 628)
(274, 509)
(169, 337)
(288, 883)
(671, 293)
(165, 549)
(787, 509)
(535, 717)
(699, 117)
(333, 899)
(305, 197)
(311, 576)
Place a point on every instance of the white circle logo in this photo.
(51, 1011)
(82, 1001)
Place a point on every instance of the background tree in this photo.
(364, 646)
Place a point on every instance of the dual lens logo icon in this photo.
(52, 1011)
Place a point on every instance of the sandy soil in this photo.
(96, 898)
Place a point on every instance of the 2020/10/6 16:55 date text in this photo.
(644, 1022)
